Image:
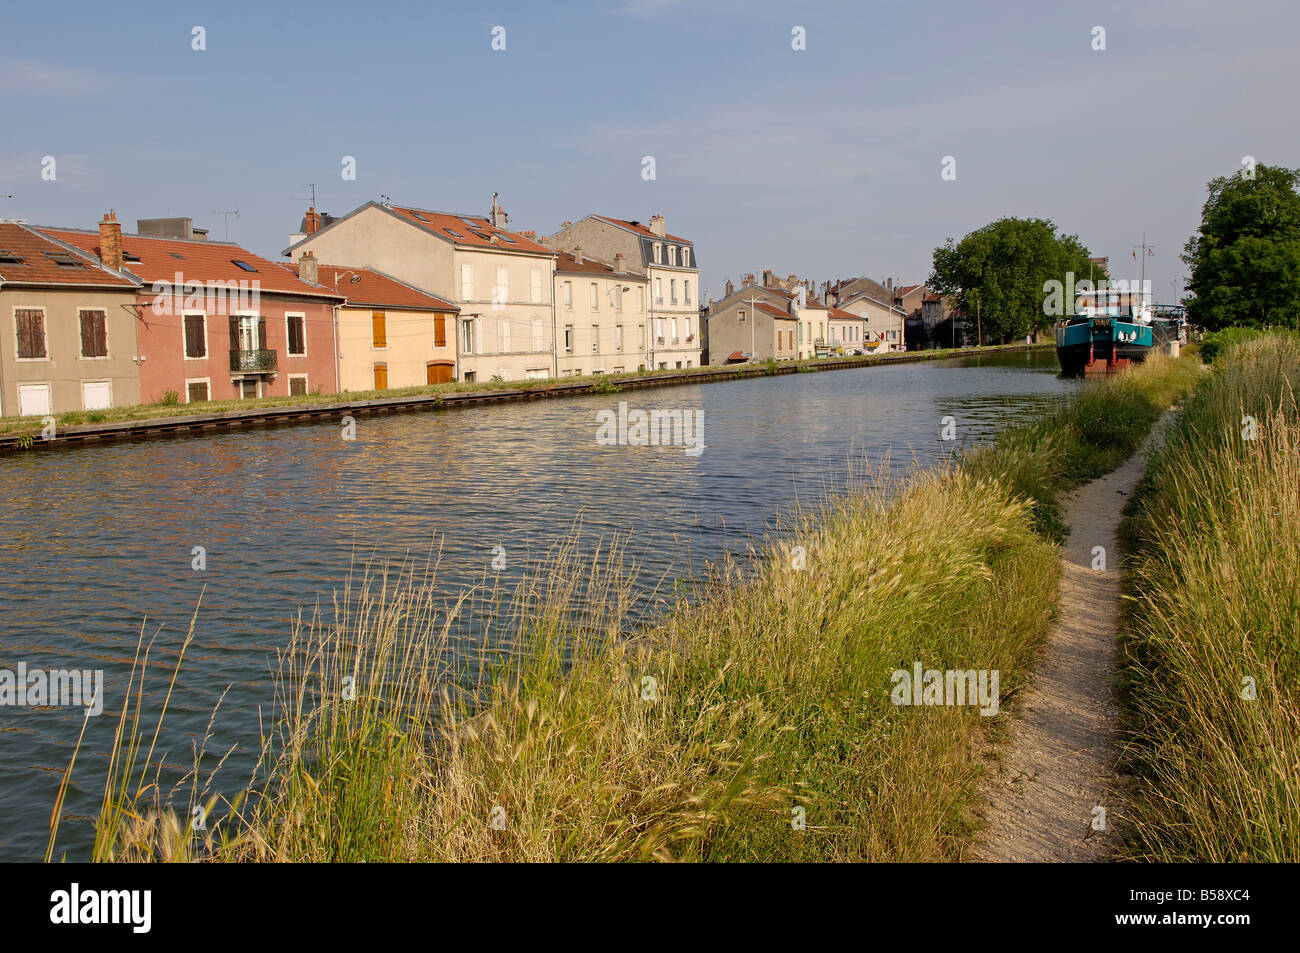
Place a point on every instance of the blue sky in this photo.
(823, 162)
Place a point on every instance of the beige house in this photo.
(789, 295)
(602, 318)
(752, 329)
(67, 328)
(672, 270)
(390, 335)
(874, 303)
(502, 281)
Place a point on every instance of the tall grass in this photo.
(1213, 641)
(752, 721)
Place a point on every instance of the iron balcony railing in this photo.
(253, 362)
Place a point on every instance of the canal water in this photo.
(96, 542)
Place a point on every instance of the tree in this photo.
(1245, 259)
(997, 274)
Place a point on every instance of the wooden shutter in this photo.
(262, 339)
(234, 333)
(439, 330)
(101, 334)
(31, 332)
(378, 329)
(87, 333)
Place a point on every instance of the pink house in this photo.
(217, 322)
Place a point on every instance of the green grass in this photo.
(1215, 613)
(758, 694)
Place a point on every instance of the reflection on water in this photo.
(94, 540)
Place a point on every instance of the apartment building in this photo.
(602, 315)
(67, 328)
(750, 328)
(214, 321)
(673, 275)
(390, 334)
(789, 295)
(874, 303)
(501, 281)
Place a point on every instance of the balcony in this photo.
(252, 362)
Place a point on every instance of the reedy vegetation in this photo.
(1216, 602)
(771, 687)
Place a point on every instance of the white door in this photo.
(33, 400)
(96, 395)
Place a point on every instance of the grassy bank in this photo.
(1213, 640)
(752, 722)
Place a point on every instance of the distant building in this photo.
(672, 271)
(874, 303)
(753, 327)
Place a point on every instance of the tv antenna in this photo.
(226, 216)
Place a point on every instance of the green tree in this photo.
(997, 274)
(1245, 259)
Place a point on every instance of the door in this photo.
(381, 377)
(96, 395)
(248, 388)
(439, 373)
(33, 400)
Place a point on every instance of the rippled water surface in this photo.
(94, 540)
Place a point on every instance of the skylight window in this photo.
(10, 258)
(63, 259)
(454, 234)
(178, 257)
(242, 265)
(420, 217)
(506, 238)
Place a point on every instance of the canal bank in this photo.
(167, 422)
(758, 721)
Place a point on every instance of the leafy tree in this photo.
(1245, 260)
(997, 274)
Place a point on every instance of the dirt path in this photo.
(1058, 765)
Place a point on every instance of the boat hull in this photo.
(1100, 345)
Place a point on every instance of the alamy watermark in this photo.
(78, 687)
(946, 687)
(1060, 295)
(656, 428)
(181, 295)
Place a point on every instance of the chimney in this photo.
(530, 235)
(620, 264)
(768, 278)
(731, 289)
(311, 224)
(499, 217)
(749, 279)
(577, 254)
(566, 224)
(657, 225)
(110, 241)
(307, 270)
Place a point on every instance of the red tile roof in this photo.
(640, 229)
(810, 301)
(774, 311)
(38, 261)
(905, 290)
(159, 259)
(568, 263)
(375, 289)
(844, 315)
(473, 231)
(738, 356)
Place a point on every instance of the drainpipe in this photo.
(338, 383)
(555, 344)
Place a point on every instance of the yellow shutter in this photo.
(379, 329)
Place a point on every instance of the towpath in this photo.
(1055, 780)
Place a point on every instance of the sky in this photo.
(824, 162)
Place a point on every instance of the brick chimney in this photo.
(620, 264)
(307, 268)
(311, 223)
(731, 289)
(110, 241)
(657, 225)
(499, 219)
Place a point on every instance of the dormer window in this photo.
(659, 253)
(672, 254)
(686, 257)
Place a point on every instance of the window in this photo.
(94, 334)
(504, 343)
(618, 337)
(242, 265)
(501, 293)
(672, 254)
(686, 286)
(659, 253)
(659, 291)
(740, 316)
(297, 334)
(640, 298)
(640, 337)
(673, 323)
(30, 324)
(595, 337)
(469, 377)
(467, 337)
(381, 377)
(595, 296)
(196, 391)
(618, 297)
(672, 289)
(659, 330)
(196, 337)
(297, 385)
(537, 335)
(568, 339)
(686, 262)
(535, 286)
(467, 282)
(378, 329)
(568, 296)
(439, 330)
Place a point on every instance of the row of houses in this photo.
(390, 296)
